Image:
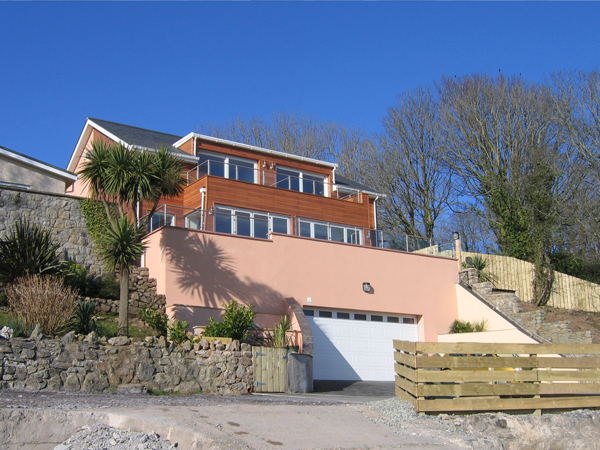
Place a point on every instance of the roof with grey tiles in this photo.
(140, 137)
(143, 137)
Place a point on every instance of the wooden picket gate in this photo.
(270, 369)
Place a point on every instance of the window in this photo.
(391, 319)
(325, 314)
(408, 320)
(296, 180)
(159, 219)
(327, 231)
(360, 317)
(226, 167)
(309, 312)
(376, 318)
(343, 315)
(249, 223)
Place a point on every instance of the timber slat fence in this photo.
(516, 275)
(451, 377)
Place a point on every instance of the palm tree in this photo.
(125, 177)
(120, 248)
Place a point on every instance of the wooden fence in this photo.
(270, 369)
(516, 275)
(452, 377)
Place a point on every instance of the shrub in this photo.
(44, 300)
(279, 336)
(27, 250)
(237, 320)
(463, 326)
(156, 320)
(177, 331)
(84, 321)
(480, 263)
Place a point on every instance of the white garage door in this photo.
(357, 345)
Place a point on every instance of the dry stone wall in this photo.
(142, 292)
(58, 213)
(91, 364)
(533, 321)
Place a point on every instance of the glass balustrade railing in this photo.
(258, 224)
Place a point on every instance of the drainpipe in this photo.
(203, 193)
(332, 182)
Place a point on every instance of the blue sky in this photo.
(174, 66)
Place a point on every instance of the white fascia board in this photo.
(352, 190)
(253, 148)
(82, 137)
(40, 165)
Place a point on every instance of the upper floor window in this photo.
(249, 223)
(329, 231)
(226, 167)
(296, 180)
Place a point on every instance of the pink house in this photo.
(288, 235)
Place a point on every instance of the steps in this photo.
(533, 321)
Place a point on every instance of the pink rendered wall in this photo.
(195, 269)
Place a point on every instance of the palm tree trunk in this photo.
(124, 302)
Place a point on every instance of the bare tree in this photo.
(295, 133)
(504, 142)
(410, 166)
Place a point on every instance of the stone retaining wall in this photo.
(95, 365)
(60, 214)
(142, 292)
(533, 321)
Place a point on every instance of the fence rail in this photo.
(568, 292)
(452, 377)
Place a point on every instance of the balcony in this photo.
(281, 178)
(257, 224)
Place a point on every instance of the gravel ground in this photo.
(573, 430)
(102, 437)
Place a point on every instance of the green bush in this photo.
(237, 320)
(27, 250)
(463, 326)
(156, 320)
(279, 336)
(84, 321)
(480, 263)
(177, 331)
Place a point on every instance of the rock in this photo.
(145, 372)
(6, 332)
(72, 382)
(37, 332)
(131, 389)
(187, 345)
(162, 341)
(119, 341)
(68, 338)
(92, 338)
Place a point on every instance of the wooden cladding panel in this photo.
(281, 201)
(259, 157)
(188, 147)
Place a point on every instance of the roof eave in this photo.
(256, 149)
(66, 175)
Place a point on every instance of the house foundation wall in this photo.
(197, 270)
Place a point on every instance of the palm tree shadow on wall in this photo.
(205, 271)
